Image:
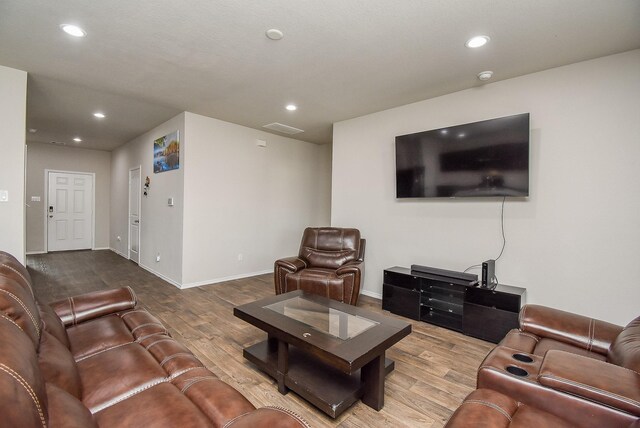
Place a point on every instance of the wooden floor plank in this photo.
(435, 368)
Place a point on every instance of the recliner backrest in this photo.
(329, 247)
(625, 350)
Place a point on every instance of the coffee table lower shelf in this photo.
(327, 388)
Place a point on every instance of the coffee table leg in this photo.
(283, 366)
(372, 377)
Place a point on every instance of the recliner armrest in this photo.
(354, 267)
(594, 380)
(588, 333)
(292, 264)
(77, 309)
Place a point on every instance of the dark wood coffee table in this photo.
(329, 353)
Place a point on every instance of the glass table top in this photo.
(322, 318)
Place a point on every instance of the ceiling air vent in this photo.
(58, 143)
(285, 129)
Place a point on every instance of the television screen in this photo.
(487, 158)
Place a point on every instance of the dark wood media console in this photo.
(452, 303)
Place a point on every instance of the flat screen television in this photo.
(487, 158)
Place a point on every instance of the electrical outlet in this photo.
(158, 257)
(240, 257)
(118, 238)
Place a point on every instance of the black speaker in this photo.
(488, 273)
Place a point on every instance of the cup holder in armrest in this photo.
(524, 358)
(517, 371)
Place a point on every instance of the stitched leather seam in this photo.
(134, 299)
(21, 303)
(11, 321)
(196, 380)
(171, 357)
(591, 388)
(101, 351)
(146, 325)
(491, 405)
(73, 310)
(27, 387)
(129, 395)
(134, 312)
(289, 412)
(158, 341)
(522, 333)
(142, 338)
(17, 272)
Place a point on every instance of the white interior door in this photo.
(70, 211)
(134, 215)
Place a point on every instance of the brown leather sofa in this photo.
(558, 369)
(330, 263)
(100, 360)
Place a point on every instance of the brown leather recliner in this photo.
(330, 263)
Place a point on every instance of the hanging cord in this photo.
(504, 238)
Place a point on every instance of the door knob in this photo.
(136, 221)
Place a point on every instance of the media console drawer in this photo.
(452, 303)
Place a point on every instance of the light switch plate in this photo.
(4, 196)
(35, 199)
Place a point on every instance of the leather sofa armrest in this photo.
(355, 267)
(284, 266)
(594, 380)
(77, 309)
(588, 333)
(291, 264)
(268, 417)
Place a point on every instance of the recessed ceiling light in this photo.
(485, 75)
(99, 115)
(78, 140)
(73, 30)
(291, 107)
(275, 34)
(477, 41)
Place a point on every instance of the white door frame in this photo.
(46, 205)
(139, 167)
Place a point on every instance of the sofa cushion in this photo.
(329, 247)
(16, 303)
(98, 335)
(485, 408)
(625, 350)
(12, 268)
(52, 323)
(21, 383)
(529, 343)
(159, 406)
(116, 373)
(58, 366)
(323, 282)
(66, 410)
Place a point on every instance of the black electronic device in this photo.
(487, 158)
(445, 273)
(488, 273)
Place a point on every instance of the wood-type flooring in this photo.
(435, 368)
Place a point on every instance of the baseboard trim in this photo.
(371, 294)
(33, 253)
(101, 248)
(118, 253)
(161, 276)
(226, 278)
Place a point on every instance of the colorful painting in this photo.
(166, 153)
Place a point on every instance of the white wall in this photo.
(13, 102)
(574, 243)
(160, 224)
(249, 200)
(47, 156)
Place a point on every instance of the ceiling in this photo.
(145, 61)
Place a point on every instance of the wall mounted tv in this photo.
(487, 158)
